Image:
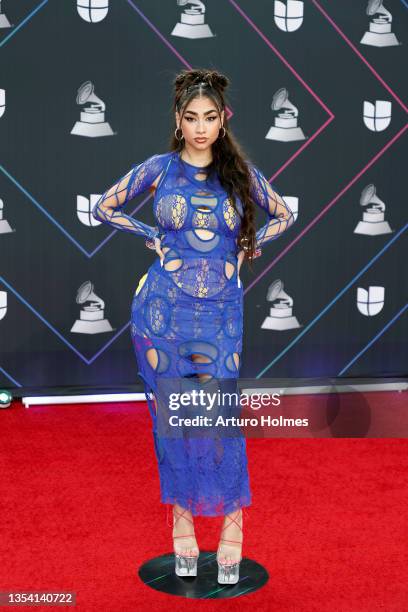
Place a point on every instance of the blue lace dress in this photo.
(192, 305)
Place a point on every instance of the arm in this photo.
(109, 207)
(280, 217)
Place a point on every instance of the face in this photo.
(200, 120)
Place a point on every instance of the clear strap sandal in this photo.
(229, 573)
(185, 565)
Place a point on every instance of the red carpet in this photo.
(80, 511)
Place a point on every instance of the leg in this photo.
(230, 546)
(183, 532)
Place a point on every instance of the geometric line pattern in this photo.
(367, 346)
(57, 333)
(324, 210)
(333, 301)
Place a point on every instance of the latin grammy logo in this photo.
(373, 223)
(379, 33)
(4, 225)
(280, 314)
(192, 24)
(92, 122)
(4, 22)
(91, 319)
(285, 128)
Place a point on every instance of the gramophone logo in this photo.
(92, 11)
(280, 314)
(2, 102)
(4, 225)
(370, 302)
(84, 209)
(373, 223)
(4, 22)
(377, 117)
(286, 127)
(92, 122)
(288, 17)
(92, 320)
(192, 21)
(3, 304)
(379, 33)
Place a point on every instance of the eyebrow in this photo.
(213, 110)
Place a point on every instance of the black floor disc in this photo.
(159, 574)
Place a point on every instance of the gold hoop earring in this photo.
(175, 134)
(225, 131)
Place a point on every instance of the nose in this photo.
(200, 126)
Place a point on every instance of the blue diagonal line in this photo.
(56, 332)
(7, 375)
(334, 300)
(60, 227)
(105, 346)
(22, 23)
(43, 210)
(380, 333)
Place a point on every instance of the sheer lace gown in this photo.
(192, 306)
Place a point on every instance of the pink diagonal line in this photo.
(357, 52)
(326, 208)
(304, 145)
(167, 43)
(281, 57)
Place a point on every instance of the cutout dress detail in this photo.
(192, 306)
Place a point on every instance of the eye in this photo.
(212, 118)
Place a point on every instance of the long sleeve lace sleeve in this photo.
(109, 207)
(280, 217)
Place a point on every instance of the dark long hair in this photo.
(228, 156)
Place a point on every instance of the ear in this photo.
(222, 117)
(177, 115)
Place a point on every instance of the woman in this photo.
(187, 310)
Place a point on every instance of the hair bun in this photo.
(213, 78)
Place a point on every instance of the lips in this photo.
(200, 139)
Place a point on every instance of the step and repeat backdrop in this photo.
(317, 103)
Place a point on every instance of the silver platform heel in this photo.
(229, 573)
(184, 565)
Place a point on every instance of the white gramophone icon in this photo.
(4, 22)
(373, 223)
(92, 121)
(4, 225)
(91, 319)
(192, 23)
(280, 314)
(285, 128)
(379, 33)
